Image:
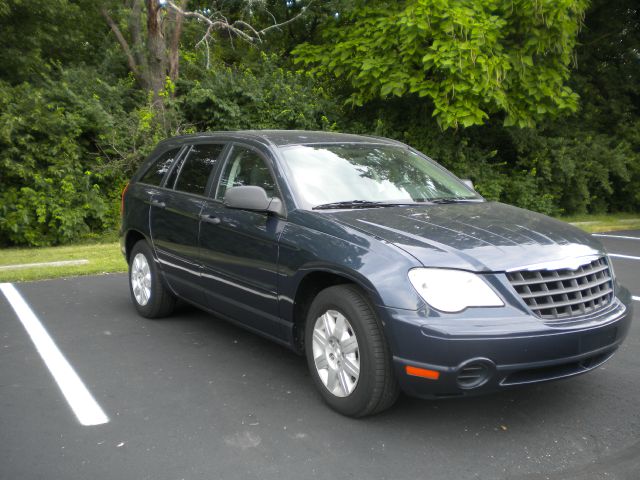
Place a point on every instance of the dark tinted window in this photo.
(157, 170)
(245, 167)
(197, 167)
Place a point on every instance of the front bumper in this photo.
(483, 353)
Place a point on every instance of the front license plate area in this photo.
(597, 340)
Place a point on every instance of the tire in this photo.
(355, 379)
(149, 294)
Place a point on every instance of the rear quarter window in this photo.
(158, 169)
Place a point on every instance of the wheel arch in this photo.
(312, 283)
(130, 239)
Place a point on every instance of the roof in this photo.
(281, 138)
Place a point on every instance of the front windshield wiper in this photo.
(443, 200)
(374, 204)
(356, 204)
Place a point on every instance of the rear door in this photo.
(174, 218)
(240, 248)
(144, 189)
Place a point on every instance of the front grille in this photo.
(565, 293)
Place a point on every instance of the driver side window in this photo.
(245, 167)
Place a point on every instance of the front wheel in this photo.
(149, 294)
(347, 353)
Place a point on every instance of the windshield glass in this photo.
(325, 174)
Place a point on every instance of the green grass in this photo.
(605, 222)
(102, 257)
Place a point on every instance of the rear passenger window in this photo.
(157, 170)
(195, 170)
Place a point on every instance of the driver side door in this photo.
(239, 248)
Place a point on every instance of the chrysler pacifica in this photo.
(385, 270)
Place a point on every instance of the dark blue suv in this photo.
(383, 268)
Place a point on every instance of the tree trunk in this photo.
(156, 50)
(137, 43)
(174, 45)
(156, 58)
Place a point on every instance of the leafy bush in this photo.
(50, 189)
(577, 172)
(263, 96)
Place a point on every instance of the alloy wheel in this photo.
(335, 353)
(141, 279)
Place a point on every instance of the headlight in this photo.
(453, 290)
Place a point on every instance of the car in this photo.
(380, 266)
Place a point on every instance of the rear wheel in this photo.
(149, 294)
(347, 353)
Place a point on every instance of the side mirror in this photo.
(252, 198)
(469, 184)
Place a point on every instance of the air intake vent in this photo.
(565, 293)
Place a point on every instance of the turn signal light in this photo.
(422, 372)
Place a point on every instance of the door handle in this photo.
(156, 203)
(210, 219)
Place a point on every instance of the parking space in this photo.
(193, 397)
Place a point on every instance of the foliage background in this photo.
(75, 123)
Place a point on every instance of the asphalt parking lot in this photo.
(192, 397)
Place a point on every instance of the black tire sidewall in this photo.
(336, 298)
(153, 305)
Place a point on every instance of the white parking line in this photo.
(78, 396)
(619, 255)
(615, 236)
(637, 299)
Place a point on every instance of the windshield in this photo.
(327, 174)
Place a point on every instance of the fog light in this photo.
(473, 375)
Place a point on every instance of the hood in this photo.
(486, 236)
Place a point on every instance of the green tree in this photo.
(471, 58)
(150, 32)
(590, 160)
(34, 34)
